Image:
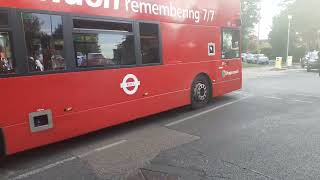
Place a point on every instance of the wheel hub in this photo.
(200, 92)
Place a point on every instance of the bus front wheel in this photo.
(200, 92)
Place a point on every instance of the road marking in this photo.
(36, 171)
(309, 102)
(311, 96)
(102, 148)
(205, 112)
(50, 166)
(243, 93)
(273, 97)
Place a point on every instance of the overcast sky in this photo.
(269, 8)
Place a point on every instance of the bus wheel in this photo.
(200, 92)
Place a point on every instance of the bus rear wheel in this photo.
(200, 92)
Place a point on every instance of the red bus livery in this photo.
(70, 67)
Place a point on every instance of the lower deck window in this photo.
(44, 41)
(6, 60)
(104, 49)
(150, 49)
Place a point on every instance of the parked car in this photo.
(261, 59)
(97, 59)
(304, 60)
(313, 61)
(250, 58)
(244, 57)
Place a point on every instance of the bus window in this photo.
(230, 44)
(103, 44)
(4, 19)
(44, 41)
(6, 60)
(149, 34)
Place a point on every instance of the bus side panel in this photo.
(168, 87)
(19, 137)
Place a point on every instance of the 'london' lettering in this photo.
(91, 3)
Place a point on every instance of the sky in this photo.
(269, 8)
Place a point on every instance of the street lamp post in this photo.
(289, 27)
(318, 39)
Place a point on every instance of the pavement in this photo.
(268, 130)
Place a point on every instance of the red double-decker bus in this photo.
(70, 67)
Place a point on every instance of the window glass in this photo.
(44, 41)
(6, 60)
(101, 43)
(230, 44)
(4, 19)
(102, 25)
(104, 49)
(149, 34)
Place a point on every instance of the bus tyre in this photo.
(200, 92)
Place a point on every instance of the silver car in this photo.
(250, 58)
(261, 59)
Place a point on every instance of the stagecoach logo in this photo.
(130, 84)
(229, 73)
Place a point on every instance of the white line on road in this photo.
(102, 148)
(205, 112)
(296, 100)
(36, 171)
(311, 96)
(273, 97)
(309, 102)
(242, 93)
(39, 170)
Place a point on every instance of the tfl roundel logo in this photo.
(130, 84)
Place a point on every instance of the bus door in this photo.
(230, 65)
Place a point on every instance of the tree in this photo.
(250, 15)
(305, 29)
(306, 21)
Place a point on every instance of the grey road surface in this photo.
(268, 130)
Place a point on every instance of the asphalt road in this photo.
(268, 130)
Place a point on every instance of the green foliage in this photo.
(250, 15)
(278, 35)
(266, 49)
(305, 30)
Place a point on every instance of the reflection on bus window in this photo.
(102, 43)
(149, 34)
(230, 44)
(44, 41)
(6, 60)
(104, 49)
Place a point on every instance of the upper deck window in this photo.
(103, 44)
(44, 41)
(230, 44)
